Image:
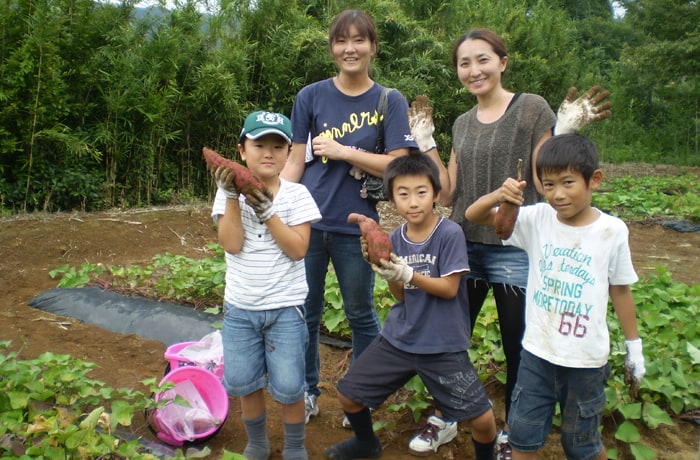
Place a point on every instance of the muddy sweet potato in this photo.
(378, 243)
(245, 181)
(507, 213)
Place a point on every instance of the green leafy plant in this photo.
(50, 408)
(663, 197)
(666, 311)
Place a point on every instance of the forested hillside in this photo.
(103, 107)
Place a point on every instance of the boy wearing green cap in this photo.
(265, 238)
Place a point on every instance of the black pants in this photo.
(510, 304)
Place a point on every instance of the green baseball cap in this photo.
(261, 123)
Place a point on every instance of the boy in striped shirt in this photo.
(265, 238)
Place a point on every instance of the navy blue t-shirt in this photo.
(322, 109)
(423, 323)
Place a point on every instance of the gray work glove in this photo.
(575, 114)
(224, 178)
(261, 202)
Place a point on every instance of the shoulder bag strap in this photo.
(381, 114)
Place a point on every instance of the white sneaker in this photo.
(503, 449)
(311, 406)
(434, 434)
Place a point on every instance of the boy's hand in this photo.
(634, 366)
(395, 270)
(261, 202)
(225, 178)
(420, 120)
(575, 114)
(512, 191)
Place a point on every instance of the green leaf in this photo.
(642, 452)
(627, 432)
(655, 416)
(631, 411)
(122, 413)
(90, 422)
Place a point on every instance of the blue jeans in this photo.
(581, 396)
(264, 348)
(356, 282)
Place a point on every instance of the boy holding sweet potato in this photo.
(425, 272)
(579, 258)
(264, 226)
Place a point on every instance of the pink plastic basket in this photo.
(210, 391)
(172, 354)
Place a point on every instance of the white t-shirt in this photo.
(571, 269)
(261, 276)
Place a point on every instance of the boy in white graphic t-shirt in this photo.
(578, 257)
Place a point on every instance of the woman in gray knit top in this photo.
(487, 142)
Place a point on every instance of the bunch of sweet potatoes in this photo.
(245, 182)
(378, 243)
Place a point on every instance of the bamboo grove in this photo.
(110, 104)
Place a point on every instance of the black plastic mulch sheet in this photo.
(165, 322)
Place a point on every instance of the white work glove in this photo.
(420, 120)
(357, 173)
(224, 178)
(575, 114)
(634, 366)
(365, 249)
(395, 270)
(261, 204)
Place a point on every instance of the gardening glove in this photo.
(365, 249)
(575, 114)
(224, 178)
(395, 270)
(261, 202)
(634, 366)
(357, 173)
(420, 120)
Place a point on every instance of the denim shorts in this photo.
(265, 348)
(497, 264)
(581, 397)
(450, 378)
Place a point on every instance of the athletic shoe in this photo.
(311, 406)
(434, 434)
(503, 449)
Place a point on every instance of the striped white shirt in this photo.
(261, 276)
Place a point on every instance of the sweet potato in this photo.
(378, 243)
(507, 213)
(245, 181)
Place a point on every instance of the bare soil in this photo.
(32, 245)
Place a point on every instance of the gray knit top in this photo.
(487, 154)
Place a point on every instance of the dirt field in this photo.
(32, 245)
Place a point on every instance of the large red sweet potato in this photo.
(378, 243)
(245, 181)
(507, 213)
